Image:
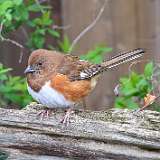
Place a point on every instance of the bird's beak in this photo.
(29, 69)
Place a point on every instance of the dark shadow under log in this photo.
(111, 135)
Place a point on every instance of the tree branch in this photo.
(75, 41)
(61, 27)
(12, 41)
(113, 135)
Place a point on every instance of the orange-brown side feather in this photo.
(72, 90)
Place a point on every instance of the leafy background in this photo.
(17, 13)
(13, 88)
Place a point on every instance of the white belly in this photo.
(50, 97)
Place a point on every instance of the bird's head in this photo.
(41, 62)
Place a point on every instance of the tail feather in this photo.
(113, 62)
(122, 58)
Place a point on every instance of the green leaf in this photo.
(123, 102)
(41, 31)
(8, 16)
(2, 71)
(21, 10)
(98, 59)
(36, 8)
(65, 44)
(135, 78)
(13, 89)
(30, 23)
(38, 41)
(4, 6)
(17, 2)
(119, 102)
(148, 71)
(3, 77)
(142, 83)
(131, 104)
(96, 55)
(37, 21)
(45, 19)
(135, 86)
(124, 80)
(53, 33)
(129, 91)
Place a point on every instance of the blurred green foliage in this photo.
(12, 14)
(42, 27)
(134, 88)
(13, 89)
(15, 13)
(64, 44)
(94, 55)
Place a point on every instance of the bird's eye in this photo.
(40, 63)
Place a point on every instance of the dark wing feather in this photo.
(72, 66)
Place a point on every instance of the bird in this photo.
(59, 80)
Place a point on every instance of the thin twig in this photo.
(25, 33)
(12, 41)
(151, 102)
(135, 62)
(21, 56)
(7, 39)
(61, 27)
(88, 27)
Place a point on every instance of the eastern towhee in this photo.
(58, 80)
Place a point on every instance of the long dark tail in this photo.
(122, 58)
(113, 62)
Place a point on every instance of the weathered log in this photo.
(111, 135)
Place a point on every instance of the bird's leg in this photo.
(66, 119)
(84, 104)
(44, 114)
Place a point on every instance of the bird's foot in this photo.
(44, 114)
(66, 119)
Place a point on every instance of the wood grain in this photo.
(113, 135)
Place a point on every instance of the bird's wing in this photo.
(72, 66)
(77, 69)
